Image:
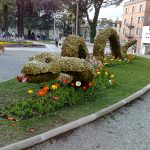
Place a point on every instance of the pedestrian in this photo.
(56, 41)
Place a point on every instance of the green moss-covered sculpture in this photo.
(74, 46)
(46, 66)
(108, 34)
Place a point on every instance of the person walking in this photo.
(56, 41)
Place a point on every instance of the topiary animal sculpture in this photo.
(74, 46)
(46, 66)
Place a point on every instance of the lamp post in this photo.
(77, 8)
(54, 26)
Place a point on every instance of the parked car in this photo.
(41, 37)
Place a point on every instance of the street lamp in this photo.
(54, 26)
(77, 8)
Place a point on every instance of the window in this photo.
(126, 10)
(131, 21)
(125, 21)
(132, 9)
(138, 19)
(149, 20)
(140, 8)
(137, 31)
(124, 31)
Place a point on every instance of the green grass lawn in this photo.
(130, 78)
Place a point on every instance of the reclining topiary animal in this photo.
(46, 66)
(74, 46)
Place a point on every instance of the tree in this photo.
(20, 14)
(96, 5)
(7, 7)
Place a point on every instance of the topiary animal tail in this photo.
(127, 45)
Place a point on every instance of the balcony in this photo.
(130, 25)
(129, 35)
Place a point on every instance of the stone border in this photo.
(73, 125)
(7, 79)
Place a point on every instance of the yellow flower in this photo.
(54, 87)
(30, 91)
(106, 73)
(98, 73)
(112, 76)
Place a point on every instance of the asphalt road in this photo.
(126, 129)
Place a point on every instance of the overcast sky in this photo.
(112, 12)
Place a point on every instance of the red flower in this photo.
(84, 88)
(90, 84)
(65, 81)
(10, 118)
(13, 125)
(72, 84)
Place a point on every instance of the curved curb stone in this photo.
(75, 124)
(7, 79)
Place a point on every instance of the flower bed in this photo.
(110, 60)
(21, 44)
(51, 96)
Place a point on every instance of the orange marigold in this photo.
(45, 88)
(41, 93)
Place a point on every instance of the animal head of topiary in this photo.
(74, 46)
(41, 68)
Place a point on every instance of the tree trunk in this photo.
(29, 33)
(5, 13)
(92, 32)
(93, 24)
(20, 7)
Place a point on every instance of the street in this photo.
(125, 129)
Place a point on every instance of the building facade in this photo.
(145, 42)
(136, 14)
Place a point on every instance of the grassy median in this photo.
(130, 78)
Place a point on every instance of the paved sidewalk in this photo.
(144, 56)
(126, 129)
